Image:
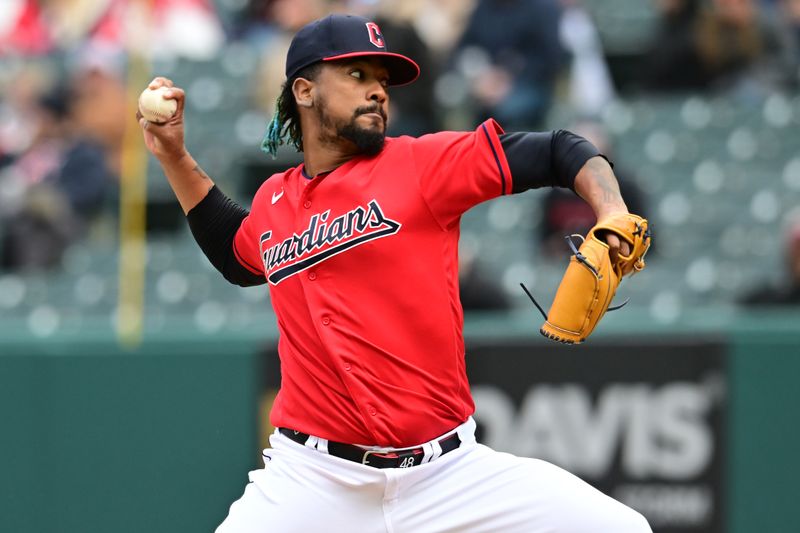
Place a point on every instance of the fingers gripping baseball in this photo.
(164, 132)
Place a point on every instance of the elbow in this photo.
(236, 274)
(245, 282)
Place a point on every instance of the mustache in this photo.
(376, 108)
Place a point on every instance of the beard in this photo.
(367, 141)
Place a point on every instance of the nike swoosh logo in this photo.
(276, 196)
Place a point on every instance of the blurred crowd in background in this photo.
(65, 98)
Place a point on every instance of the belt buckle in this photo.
(365, 457)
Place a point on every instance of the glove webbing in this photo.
(582, 259)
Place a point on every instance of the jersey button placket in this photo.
(312, 275)
(307, 204)
(326, 320)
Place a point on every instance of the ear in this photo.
(303, 90)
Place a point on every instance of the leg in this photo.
(481, 491)
(250, 513)
(303, 490)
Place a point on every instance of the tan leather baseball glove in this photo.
(590, 282)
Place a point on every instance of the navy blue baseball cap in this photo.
(344, 36)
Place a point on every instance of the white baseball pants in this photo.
(472, 489)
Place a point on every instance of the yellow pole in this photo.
(133, 185)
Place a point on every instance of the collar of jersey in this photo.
(306, 176)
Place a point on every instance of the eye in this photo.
(357, 73)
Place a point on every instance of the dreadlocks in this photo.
(286, 120)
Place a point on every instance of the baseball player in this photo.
(358, 245)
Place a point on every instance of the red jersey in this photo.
(362, 265)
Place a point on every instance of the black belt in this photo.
(402, 458)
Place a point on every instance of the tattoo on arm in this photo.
(201, 172)
(600, 171)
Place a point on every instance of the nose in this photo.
(377, 93)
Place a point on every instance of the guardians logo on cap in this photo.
(344, 36)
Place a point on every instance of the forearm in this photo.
(597, 185)
(165, 140)
(189, 182)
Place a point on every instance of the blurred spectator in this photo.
(20, 90)
(269, 27)
(52, 190)
(97, 83)
(590, 85)
(704, 45)
(161, 28)
(171, 28)
(565, 213)
(785, 17)
(440, 23)
(787, 290)
(510, 55)
(262, 21)
(23, 29)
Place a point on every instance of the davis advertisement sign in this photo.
(642, 423)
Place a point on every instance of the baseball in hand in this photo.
(154, 107)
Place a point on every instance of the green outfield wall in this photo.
(100, 439)
(764, 468)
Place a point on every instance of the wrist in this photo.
(174, 159)
(610, 210)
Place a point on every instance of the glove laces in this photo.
(582, 259)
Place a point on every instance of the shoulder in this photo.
(271, 188)
(486, 131)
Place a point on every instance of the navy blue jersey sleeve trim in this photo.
(496, 160)
(214, 223)
(546, 159)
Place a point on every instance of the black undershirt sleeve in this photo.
(545, 159)
(214, 223)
